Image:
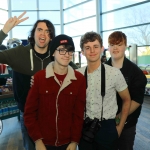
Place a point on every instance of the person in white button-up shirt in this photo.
(92, 47)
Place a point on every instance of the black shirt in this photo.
(136, 82)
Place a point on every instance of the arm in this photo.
(78, 112)
(12, 22)
(39, 145)
(125, 96)
(137, 89)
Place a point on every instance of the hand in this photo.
(72, 146)
(12, 22)
(117, 119)
(32, 81)
(39, 145)
(119, 130)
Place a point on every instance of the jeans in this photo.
(27, 141)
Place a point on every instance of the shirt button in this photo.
(46, 91)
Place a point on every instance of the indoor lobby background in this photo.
(74, 18)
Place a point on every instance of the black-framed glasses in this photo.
(63, 51)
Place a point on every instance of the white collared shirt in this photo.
(114, 82)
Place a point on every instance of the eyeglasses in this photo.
(63, 51)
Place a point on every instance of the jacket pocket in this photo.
(69, 98)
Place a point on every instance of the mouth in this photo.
(115, 52)
(42, 40)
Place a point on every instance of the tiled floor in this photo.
(11, 137)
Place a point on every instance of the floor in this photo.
(11, 137)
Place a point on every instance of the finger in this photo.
(22, 15)
(23, 19)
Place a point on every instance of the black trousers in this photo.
(126, 140)
(63, 147)
(104, 138)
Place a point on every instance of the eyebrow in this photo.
(42, 29)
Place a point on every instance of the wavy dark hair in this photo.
(90, 37)
(50, 26)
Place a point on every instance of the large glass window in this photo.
(53, 16)
(4, 4)
(30, 21)
(21, 32)
(79, 12)
(137, 35)
(69, 3)
(24, 4)
(80, 27)
(49, 4)
(3, 16)
(127, 17)
(57, 29)
(108, 5)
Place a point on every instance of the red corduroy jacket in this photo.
(54, 112)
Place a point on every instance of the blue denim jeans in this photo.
(27, 141)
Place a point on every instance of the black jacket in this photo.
(136, 82)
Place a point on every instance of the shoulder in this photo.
(78, 74)
(81, 70)
(111, 69)
(41, 73)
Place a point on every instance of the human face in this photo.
(41, 36)
(92, 51)
(117, 51)
(62, 60)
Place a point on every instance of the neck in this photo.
(117, 63)
(40, 50)
(61, 70)
(92, 66)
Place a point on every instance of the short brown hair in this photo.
(90, 37)
(117, 37)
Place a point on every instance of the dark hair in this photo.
(50, 26)
(117, 37)
(90, 37)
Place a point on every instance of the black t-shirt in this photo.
(42, 56)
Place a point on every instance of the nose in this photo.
(115, 46)
(92, 50)
(67, 54)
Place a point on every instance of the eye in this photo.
(47, 31)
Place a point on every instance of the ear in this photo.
(82, 51)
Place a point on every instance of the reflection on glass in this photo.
(127, 17)
(49, 5)
(30, 21)
(3, 16)
(144, 56)
(24, 4)
(114, 4)
(79, 12)
(69, 3)
(53, 16)
(80, 27)
(137, 35)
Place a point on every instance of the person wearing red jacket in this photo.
(55, 104)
